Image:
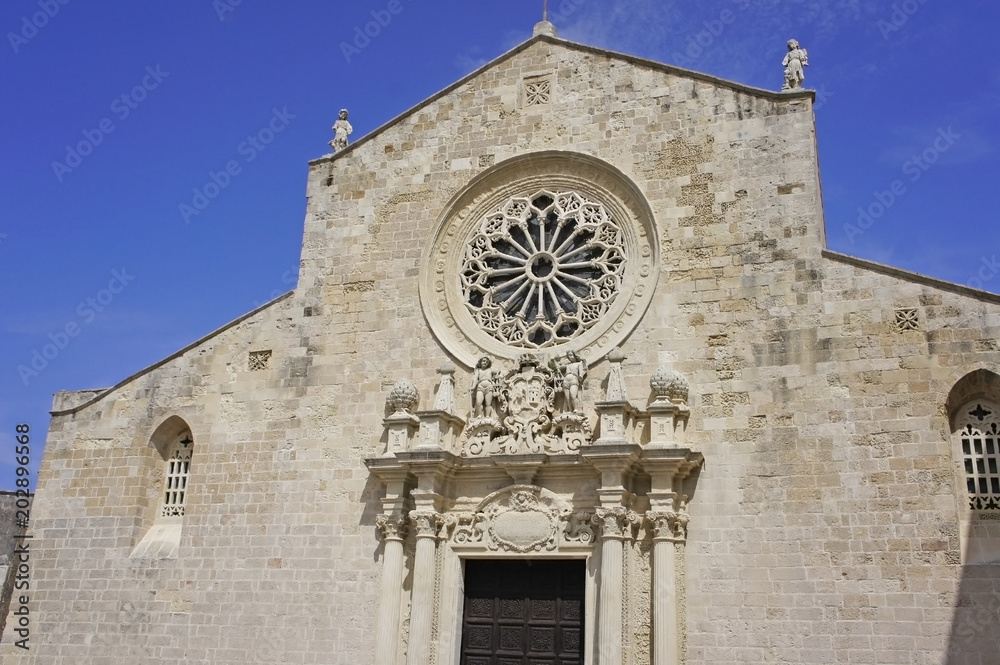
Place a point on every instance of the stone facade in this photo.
(813, 428)
(9, 560)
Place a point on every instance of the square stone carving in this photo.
(907, 319)
(537, 91)
(259, 360)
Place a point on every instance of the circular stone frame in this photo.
(441, 295)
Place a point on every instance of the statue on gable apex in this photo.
(794, 63)
(341, 130)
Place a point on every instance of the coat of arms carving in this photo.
(514, 413)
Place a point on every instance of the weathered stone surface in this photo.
(829, 518)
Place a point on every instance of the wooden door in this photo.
(523, 612)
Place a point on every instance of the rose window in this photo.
(541, 270)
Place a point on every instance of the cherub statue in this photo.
(574, 371)
(484, 390)
(795, 60)
(341, 130)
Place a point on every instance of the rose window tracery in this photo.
(541, 270)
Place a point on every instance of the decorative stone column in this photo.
(613, 522)
(425, 525)
(387, 635)
(666, 631)
(401, 425)
(667, 467)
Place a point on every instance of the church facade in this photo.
(568, 377)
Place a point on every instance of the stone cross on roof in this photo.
(544, 27)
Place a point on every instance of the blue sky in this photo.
(164, 94)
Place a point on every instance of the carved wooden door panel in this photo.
(523, 613)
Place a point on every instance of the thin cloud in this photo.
(467, 63)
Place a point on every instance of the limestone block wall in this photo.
(824, 525)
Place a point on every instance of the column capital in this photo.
(425, 524)
(391, 527)
(664, 524)
(615, 522)
(669, 525)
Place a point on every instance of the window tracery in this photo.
(493, 286)
(980, 439)
(176, 478)
(544, 269)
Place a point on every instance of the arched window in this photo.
(979, 432)
(173, 445)
(176, 477)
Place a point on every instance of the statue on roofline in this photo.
(794, 63)
(341, 130)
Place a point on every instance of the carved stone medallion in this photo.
(521, 519)
(525, 526)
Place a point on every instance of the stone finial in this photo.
(616, 391)
(341, 130)
(794, 63)
(668, 385)
(403, 397)
(544, 28)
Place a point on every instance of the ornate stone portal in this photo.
(608, 485)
